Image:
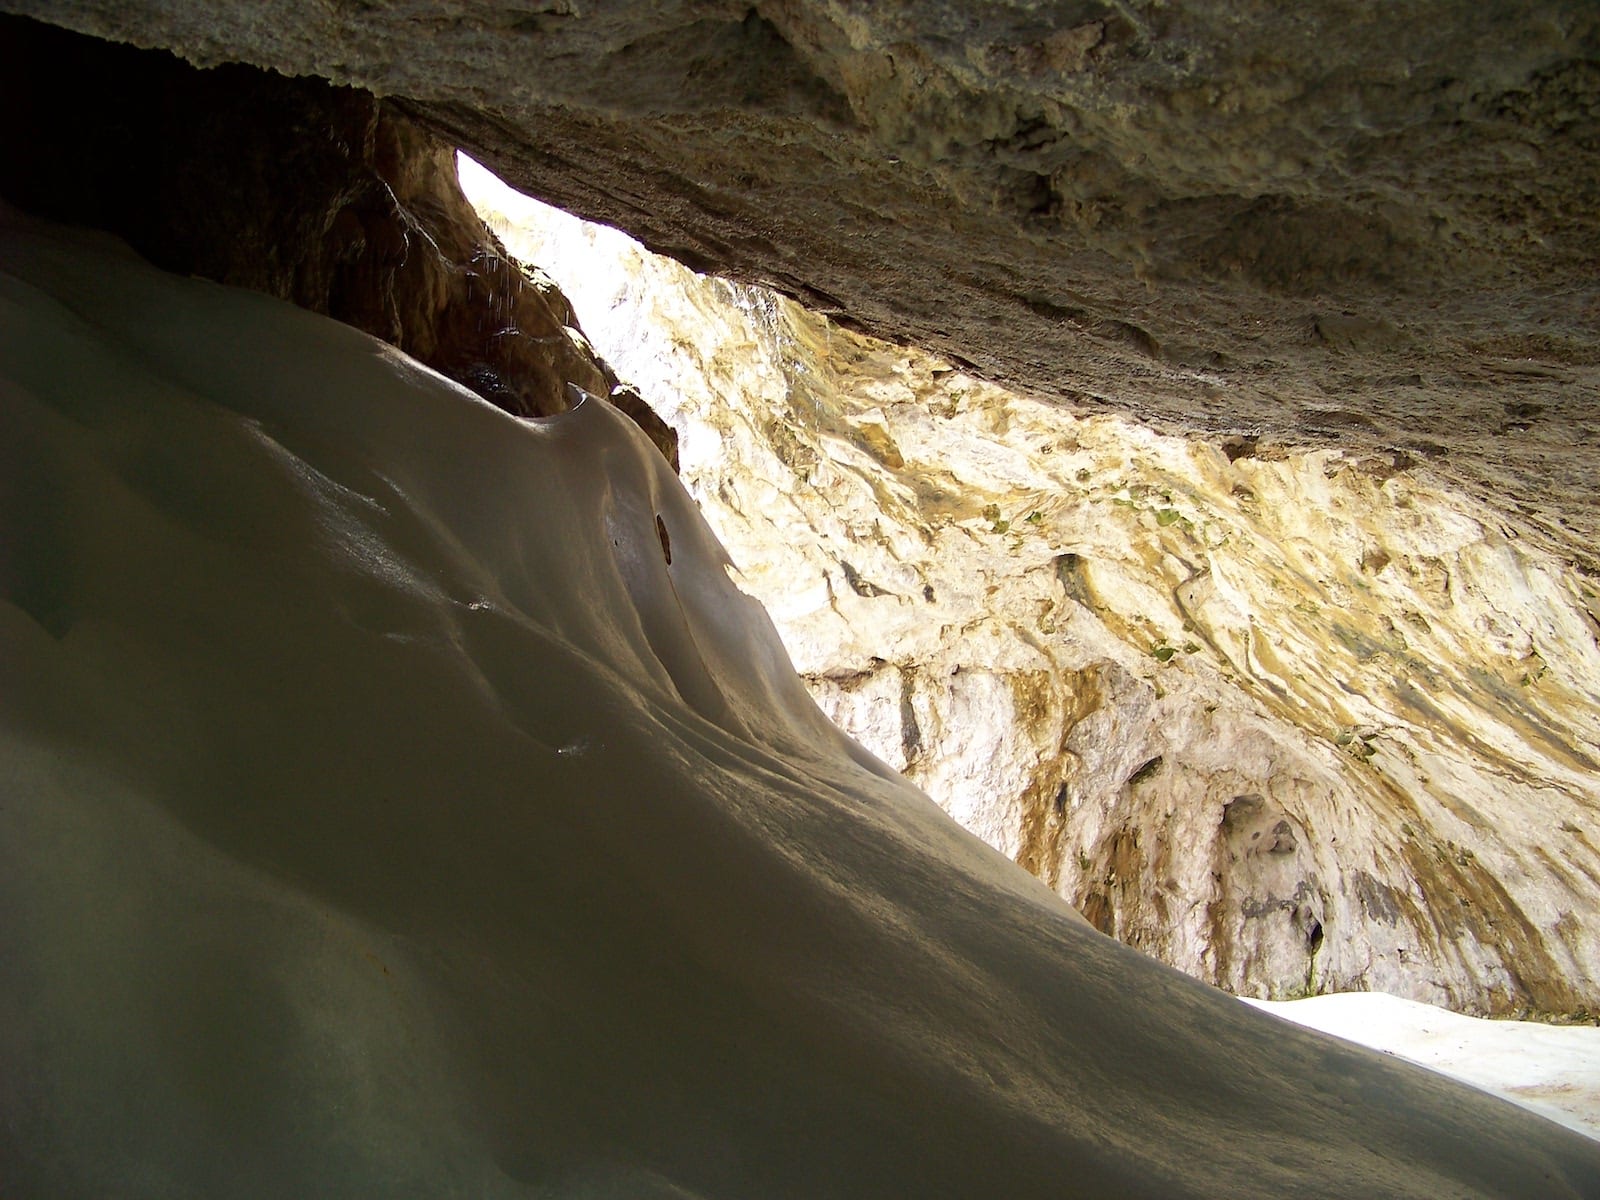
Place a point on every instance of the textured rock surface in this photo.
(1292, 724)
(1343, 224)
(311, 193)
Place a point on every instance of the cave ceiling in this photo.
(1371, 226)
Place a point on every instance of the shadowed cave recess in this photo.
(1233, 574)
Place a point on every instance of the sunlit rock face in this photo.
(1293, 723)
(315, 194)
(1338, 224)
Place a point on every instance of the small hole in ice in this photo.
(666, 542)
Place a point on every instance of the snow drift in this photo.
(1552, 1069)
(383, 813)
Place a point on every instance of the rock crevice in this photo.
(316, 194)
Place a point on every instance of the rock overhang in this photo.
(1339, 226)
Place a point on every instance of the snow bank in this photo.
(381, 813)
(1552, 1069)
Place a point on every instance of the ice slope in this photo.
(381, 814)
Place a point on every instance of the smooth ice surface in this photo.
(1551, 1069)
(381, 814)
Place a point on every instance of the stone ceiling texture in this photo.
(1376, 226)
